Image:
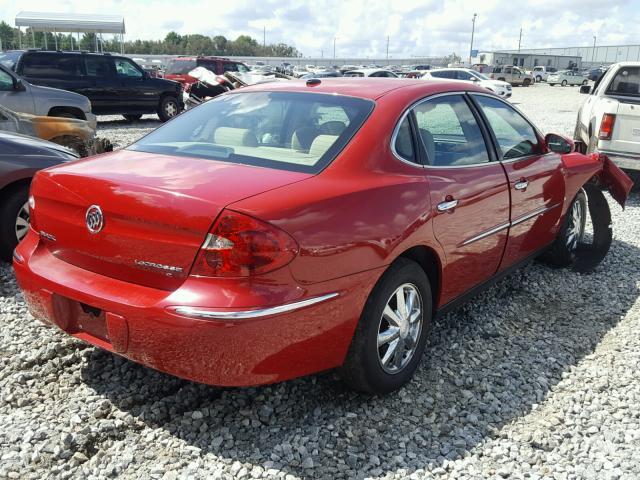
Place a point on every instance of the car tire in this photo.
(526, 82)
(552, 84)
(562, 251)
(132, 117)
(564, 83)
(168, 108)
(363, 369)
(12, 209)
(538, 79)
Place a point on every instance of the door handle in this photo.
(521, 185)
(448, 205)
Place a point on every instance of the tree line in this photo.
(172, 44)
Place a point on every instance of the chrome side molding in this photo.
(205, 314)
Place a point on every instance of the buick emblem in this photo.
(94, 218)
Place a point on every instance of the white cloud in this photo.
(425, 27)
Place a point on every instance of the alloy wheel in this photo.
(171, 109)
(575, 227)
(22, 222)
(399, 328)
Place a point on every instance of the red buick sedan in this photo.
(288, 228)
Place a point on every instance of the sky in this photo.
(361, 27)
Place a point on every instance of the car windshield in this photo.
(300, 132)
(9, 59)
(181, 66)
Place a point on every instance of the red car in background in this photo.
(289, 228)
(178, 68)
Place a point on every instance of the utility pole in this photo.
(520, 40)
(593, 53)
(264, 37)
(334, 48)
(387, 49)
(473, 31)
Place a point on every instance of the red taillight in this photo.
(32, 211)
(606, 126)
(239, 246)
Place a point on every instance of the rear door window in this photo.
(450, 133)
(98, 66)
(626, 82)
(51, 65)
(6, 82)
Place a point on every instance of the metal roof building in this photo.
(71, 23)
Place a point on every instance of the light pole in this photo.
(593, 52)
(334, 47)
(387, 49)
(473, 30)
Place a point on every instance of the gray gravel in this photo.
(536, 378)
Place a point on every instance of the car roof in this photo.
(367, 88)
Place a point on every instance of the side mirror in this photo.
(18, 86)
(559, 144)
(586, 89)
(475, 79)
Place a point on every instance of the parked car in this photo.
(541, 72)
(503, 89)
(78, 135)
(178, 68)
(609, 120)
(566, 77)
(421, 67)
(511, 74)
(20, 96)
(596, 74)
(321, 74)
(299, 71)
(249, 242)
(113, 84)
(412, 74)
(20, 158)
(370, 72)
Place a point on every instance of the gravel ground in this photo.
(536, 378)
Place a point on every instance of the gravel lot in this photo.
(536, 378)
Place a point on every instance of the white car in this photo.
(567, 77)
(467, 75)
(609, 121)
(541, 73)
(370, 72)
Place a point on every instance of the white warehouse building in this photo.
(527, 60)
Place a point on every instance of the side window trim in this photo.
(494, 139)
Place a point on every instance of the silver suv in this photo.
(21, 96)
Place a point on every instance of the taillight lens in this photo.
(239, 246)
(32, 211)
(606, 126)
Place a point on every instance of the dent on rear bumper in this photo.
(244, 351)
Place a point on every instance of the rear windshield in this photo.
(626, 82)
(180, 66)
(301, 132)
(354, 74)
(9, 59)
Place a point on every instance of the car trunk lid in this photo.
(157, 211)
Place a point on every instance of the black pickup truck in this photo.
(114, 84)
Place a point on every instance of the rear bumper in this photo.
(627, 161)
(192, 334)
